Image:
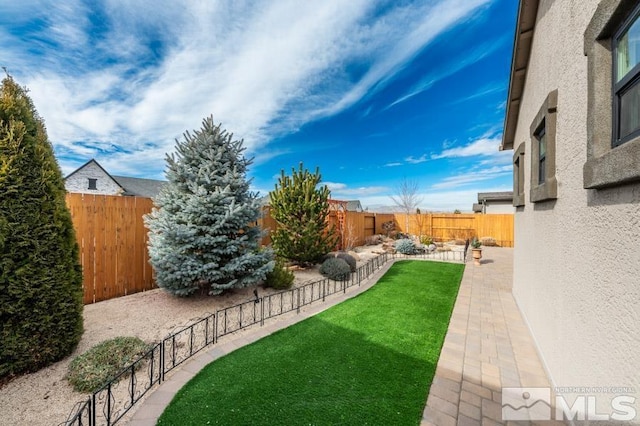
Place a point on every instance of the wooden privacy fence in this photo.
(113, 239)
(441, 227)
(444, 227)
(113, 244)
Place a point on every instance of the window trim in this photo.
(547, 119)
(93, 181)
(518, 176)
(606, 166)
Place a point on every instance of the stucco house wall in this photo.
(499, 207)
(577, 258)
(78, 181)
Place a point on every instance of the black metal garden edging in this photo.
(109, 404)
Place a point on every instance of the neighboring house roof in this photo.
(130, 185)
(354, 206)
(527, 11)
(495, 196)
(140, 187)
(92, 161)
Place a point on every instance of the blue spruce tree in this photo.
(202, 231)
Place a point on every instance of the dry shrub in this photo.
(489, 242)
(373, 240)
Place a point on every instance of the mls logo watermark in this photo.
(526, 404)
(535, 404)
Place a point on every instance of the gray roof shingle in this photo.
(140, 187)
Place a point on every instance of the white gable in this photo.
(81, 180)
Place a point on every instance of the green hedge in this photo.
(40, 275)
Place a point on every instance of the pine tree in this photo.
(40, 275)
(202, 230)
(301, 208)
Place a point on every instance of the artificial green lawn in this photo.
(369, 360)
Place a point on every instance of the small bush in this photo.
(426, 240)
(335, 269)
(373, 240)
(280, 278)
(388, 226)
(351, 261)
(327, 256)
(94, 368)
(400, 235)
(488, 241)
(405, 246)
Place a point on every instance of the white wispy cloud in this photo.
(482, 92)
(342, 190)
(412, 160)
(479, 147)
(479, 53)
(490, 164)
(335, 186)
(140, 73)
(473, 177)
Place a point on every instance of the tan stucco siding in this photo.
(577, 258)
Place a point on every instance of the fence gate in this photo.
(369, 225)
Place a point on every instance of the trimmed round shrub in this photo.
(280, 278)
(336, 269)
(405, 246)
(94, 368)
(351, 261)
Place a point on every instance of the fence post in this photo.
(92, 417)
(261, 312)
(298, 308)
(162, 361)
(215, 327)
(109, 404)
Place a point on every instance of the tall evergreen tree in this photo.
(300, 206)
(40, 275)
(202, 232)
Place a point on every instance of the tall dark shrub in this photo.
(40, 276)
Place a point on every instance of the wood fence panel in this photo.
(268, 224)
(113, 244)
(453, 227)
(369, 224)
(498, 226)
(382, 218)
(355, 229)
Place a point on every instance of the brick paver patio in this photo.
(487, 347)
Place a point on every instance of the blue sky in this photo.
(372, 92)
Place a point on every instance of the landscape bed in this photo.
(369, 360)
